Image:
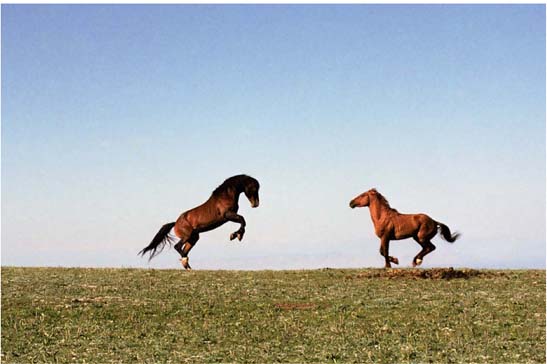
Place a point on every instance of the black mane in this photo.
(233, 182)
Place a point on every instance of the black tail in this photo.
(157, 244)
(445, 233)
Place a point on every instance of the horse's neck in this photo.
(234, 194)
(230, 194)
(377, 211)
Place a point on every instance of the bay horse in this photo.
(389, 224)
(220, 208)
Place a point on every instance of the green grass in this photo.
(135, 315)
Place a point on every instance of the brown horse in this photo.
(389, 224)
(220, 208)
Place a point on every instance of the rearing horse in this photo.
(220, 208)
(389, 224)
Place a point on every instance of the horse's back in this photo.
(409, 225)
(411, 218)
(207, 216)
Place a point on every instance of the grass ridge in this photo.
(119, 315)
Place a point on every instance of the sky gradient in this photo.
(117, 118)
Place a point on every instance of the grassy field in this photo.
(370, 315)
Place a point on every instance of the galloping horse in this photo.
(389, 224)
(220, 208)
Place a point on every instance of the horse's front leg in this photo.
(384, 250)
(232, 216)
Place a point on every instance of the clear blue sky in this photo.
(115, 119)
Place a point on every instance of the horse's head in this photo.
(251, 191)
(362, 200)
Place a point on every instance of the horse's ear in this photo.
(373, 190)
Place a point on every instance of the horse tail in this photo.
(156, 245)
(445, 233)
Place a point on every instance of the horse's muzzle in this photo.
(254, 203)
(352, 204)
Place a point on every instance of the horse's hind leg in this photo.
(183, 247)
(427, 247)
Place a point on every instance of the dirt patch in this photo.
(433, 273)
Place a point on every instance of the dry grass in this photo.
(372, 315)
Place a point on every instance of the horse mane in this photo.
(232, 182)
(383, 201)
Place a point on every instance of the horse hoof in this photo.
(417, 262)
(395, 261)
(236, 235)
(184, 262)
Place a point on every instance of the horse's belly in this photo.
(404, 229)
(403, 235)
(209, 227)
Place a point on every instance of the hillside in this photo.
(366, 315)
